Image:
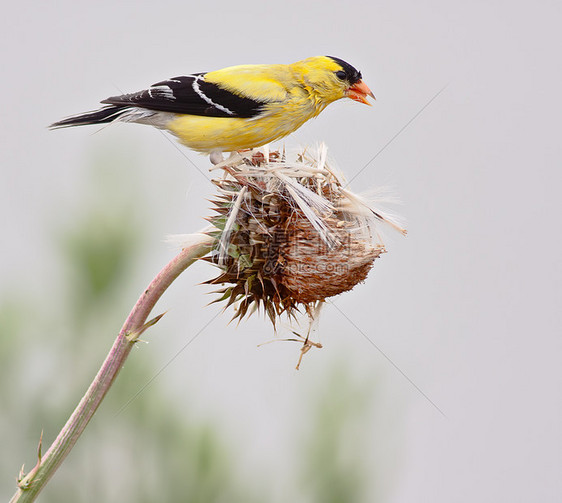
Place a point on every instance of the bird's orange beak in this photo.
(359, 92)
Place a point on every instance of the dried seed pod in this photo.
(289, 234)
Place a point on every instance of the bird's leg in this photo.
(216, 157)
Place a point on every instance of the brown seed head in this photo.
(289, 234)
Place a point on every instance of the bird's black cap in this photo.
(352, 74)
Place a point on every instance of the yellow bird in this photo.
(235, 108)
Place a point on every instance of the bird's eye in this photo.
(341, 75)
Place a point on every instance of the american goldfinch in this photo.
(236, 108)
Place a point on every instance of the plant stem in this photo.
(30, 485)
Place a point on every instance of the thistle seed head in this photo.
(288, 233)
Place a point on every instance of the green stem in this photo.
(30, 485)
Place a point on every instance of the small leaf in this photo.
(135, 334)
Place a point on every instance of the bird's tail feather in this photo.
(100, 116)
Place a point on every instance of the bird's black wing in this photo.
(191, 95)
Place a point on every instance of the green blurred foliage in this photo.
(102, 241)
(151, 451)
(333, 470)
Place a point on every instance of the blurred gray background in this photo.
(462, 315)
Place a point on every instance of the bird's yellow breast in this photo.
(226, 134)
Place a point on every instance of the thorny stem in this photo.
(30, 485)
